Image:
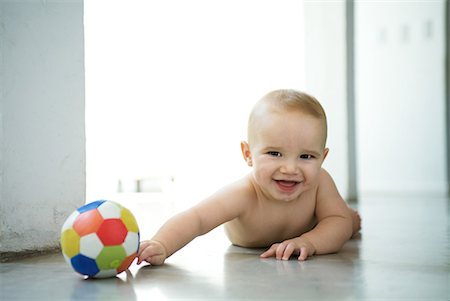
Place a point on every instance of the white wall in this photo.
(325, 74)
(169, 90)
(400, 93)
(42, 117)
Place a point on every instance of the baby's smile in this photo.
(287, 185)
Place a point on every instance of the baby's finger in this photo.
(290, 248)
(303, 254)
(142, 246)
(280, 250)
(270, 252)
(147, 252)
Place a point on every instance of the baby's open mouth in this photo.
(287, 185)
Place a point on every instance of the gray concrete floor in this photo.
(401, 254)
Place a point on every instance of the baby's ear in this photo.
(246, 153)
(325, 153)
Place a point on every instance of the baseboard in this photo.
(14, 256)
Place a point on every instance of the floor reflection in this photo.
(116, 288)
(244, 274)
(402, 253)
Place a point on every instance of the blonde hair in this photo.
(289, 100)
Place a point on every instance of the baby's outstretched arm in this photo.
(179, 230)
(172, 236)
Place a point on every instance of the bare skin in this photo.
(288, 203)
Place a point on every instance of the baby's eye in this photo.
(274, 154)
(306, 156)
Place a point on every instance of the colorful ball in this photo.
(100, 239)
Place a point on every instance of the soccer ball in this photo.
(100, 239)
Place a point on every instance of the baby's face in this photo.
(287, 150)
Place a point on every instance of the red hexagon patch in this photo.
(112, 232)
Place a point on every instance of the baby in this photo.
(288, 202)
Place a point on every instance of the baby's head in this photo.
(286, 100)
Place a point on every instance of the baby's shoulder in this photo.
(326, 184)
(245, 187)
(241, 190)
(324, 176)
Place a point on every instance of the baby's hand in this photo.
(152, 251)
(284, 250)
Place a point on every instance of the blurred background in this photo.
(169, 86)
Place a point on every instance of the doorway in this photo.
(400, 85)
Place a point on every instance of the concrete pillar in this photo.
(42, 134)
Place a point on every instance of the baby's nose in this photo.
(289, 167)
